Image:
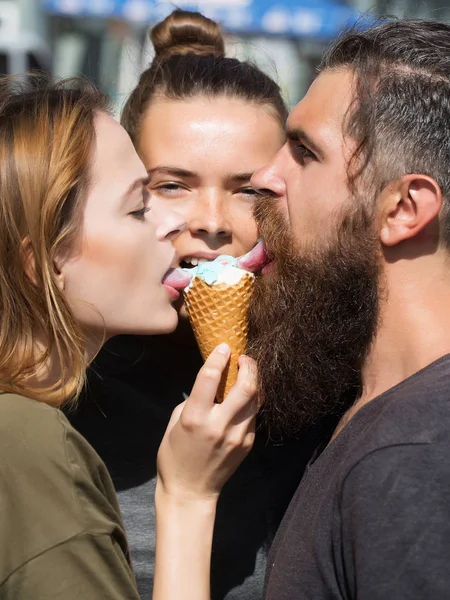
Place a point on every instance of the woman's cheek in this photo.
(105, 251)
(246, 234)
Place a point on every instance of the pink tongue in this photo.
(177, 278)
(255, 259)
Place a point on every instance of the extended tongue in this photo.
(177, 278)
(254, 260)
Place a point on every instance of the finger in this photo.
(208, 378)
(241, 399)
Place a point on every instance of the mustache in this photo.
(274, 227)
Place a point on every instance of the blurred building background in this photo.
(107, 40)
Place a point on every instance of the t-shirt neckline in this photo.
(361, 414)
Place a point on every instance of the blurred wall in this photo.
(114, 52)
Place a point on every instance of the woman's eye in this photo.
(168, 187)
(140, 214)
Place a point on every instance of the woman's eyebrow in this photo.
(167, 170)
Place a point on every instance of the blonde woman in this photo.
(86, 253)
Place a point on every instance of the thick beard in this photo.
(313, 318)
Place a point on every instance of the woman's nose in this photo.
(208, 216)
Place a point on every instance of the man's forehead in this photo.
(323, 108)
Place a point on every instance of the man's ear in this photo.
(407, 206)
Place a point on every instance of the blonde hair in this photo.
(46, 142)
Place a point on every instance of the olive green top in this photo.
(61, 532)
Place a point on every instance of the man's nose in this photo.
(268, 179)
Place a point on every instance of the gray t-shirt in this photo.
(133, 389)
(371, 517)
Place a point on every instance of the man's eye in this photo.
(140, 214)
(248, 191)
(302, 151)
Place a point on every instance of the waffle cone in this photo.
(219, 314)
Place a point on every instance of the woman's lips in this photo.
(174, 280)
(194, 259)
(255, 260)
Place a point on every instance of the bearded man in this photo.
(355, 302)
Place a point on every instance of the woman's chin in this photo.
(168, 325)
(158, 323)
(164, 324)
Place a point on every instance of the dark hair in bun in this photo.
(190, 61)
(184, 32)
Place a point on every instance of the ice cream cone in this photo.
(219, 313)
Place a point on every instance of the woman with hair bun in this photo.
(202, 124)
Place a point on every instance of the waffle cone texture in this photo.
(218, 314)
